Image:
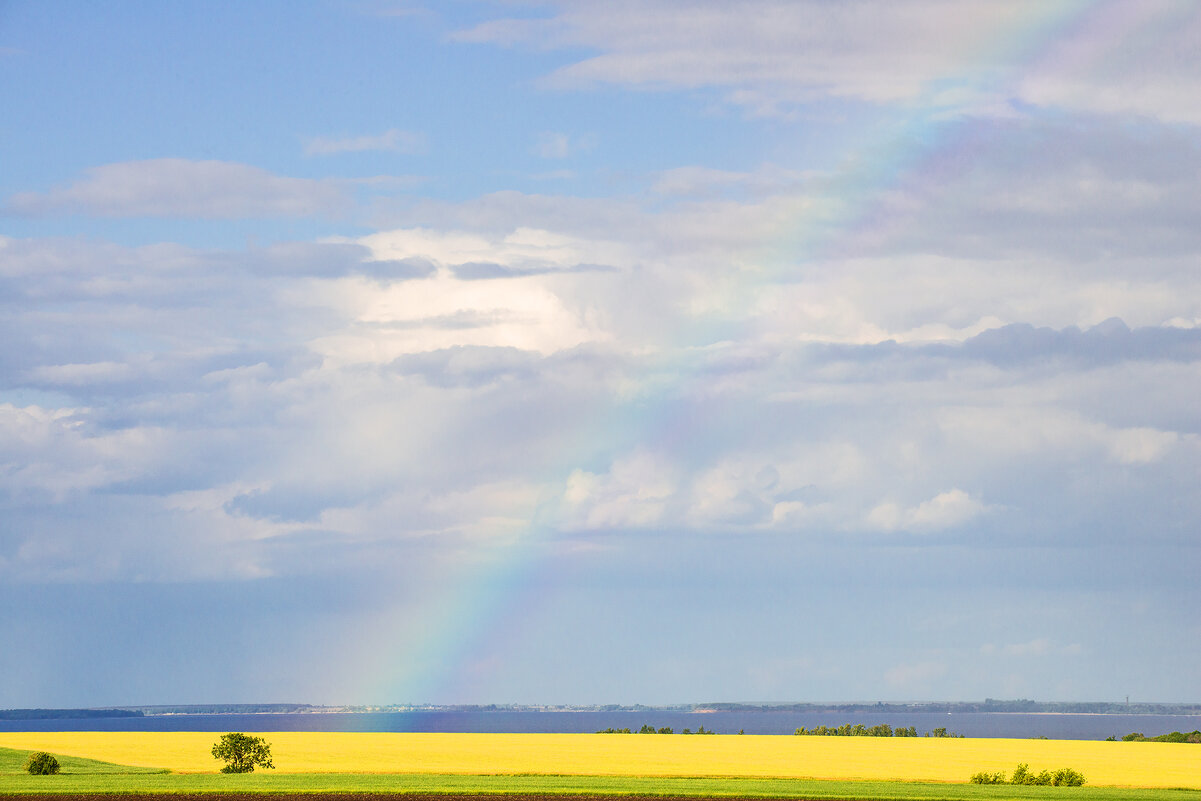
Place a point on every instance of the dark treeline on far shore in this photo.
(988, 705)
(879, 730)
(66, 714)
(1021, 705)
(142, 711)
(235, 709)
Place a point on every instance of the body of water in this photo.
(983, 724)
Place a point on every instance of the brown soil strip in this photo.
(337, 796)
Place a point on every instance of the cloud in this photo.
(764, 51)
(708, 182)
(482, 270)
(943, 57)
(1023, 430)
(183, 188)
(633, 493)
(558, 145)
(469, 365)
(81, 373)
(50, 454)
(393, 140)
(442, 312)
(1123, 59)
(1038, 647)
(758, 367)
(946, 510)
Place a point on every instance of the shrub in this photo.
(1022, 775)
(42, 764)
(984, 777)
(1066, 777)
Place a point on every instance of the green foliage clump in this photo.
(1173, 737)
(242, 753)
(1064, 777)
(42, 764)
(859, 730)
(941, 731)
(612, 730)
(984, 777)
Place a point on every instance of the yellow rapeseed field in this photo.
(906, 759)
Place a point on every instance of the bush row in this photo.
(880, 730)
(1175, 737)
(652, 730)
(1064, 777)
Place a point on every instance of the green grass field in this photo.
(85, 776)
(12, 764)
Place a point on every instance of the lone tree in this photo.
(242, 752)
(41, 764)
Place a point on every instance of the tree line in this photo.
(1193, 736)
(879, 730)
(647, 729)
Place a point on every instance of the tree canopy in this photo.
(242, 752)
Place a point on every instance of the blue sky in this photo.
(566, 352)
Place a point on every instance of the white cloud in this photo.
(1012, 431)
(442, 312)
(633, 493)
(393, 140)
(173, 187)
(944, 56)
(695, 181)
(524, 312)
(1038, 647)
(1140, 445)
(559, 145)
(766, 50)
(945, 510)
(53, 453)
(1124, 58)
(82, 373)
(498, 512)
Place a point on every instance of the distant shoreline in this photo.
(949, 709)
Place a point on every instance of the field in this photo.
(732, 765)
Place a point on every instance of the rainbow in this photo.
(484, 604)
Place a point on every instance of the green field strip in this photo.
(12, 761)
(816, 790)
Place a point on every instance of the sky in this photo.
(670, 351)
